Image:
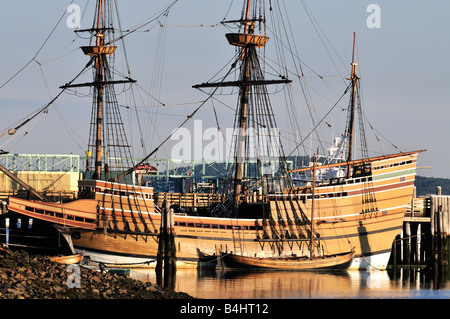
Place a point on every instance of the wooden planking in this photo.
(102, 185)
(440, 215)
(125, 202)
(189, 199)
(80, 213)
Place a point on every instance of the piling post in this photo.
(169, 249)
(395, 249)
(406, 246)
(169, 256)
(414, 244)
(161, 248)
(448, 253)
(398, 249)
(440, 206)
(166, 257)
(428, 253)
(7, 232)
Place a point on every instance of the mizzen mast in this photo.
(354, 79)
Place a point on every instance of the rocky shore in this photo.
(24, 276)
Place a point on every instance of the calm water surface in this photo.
(228, 284)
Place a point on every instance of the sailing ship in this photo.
(116, 221)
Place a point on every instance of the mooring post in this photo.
(394, 255)
(414, 244)
(406, 246)
(173, 250)
(7, 232)
(169, 249)
(161, 247)
(448, 254)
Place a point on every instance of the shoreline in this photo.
(24, 276)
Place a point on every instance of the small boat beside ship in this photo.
(69, 259)
(333, 262)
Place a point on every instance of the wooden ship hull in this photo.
(335, 262)
(120, 224)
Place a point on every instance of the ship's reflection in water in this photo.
(224, 284)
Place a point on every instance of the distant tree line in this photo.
(427, 185)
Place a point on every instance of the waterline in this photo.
(229, 284)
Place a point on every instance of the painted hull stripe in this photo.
(358, 234)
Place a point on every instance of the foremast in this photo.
(100, 52)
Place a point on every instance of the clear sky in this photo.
(403, 63)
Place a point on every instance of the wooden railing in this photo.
(188, 199)
(417, 209)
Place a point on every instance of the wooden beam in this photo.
(241, 83)
(22, 183)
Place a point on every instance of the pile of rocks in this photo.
(24, 276)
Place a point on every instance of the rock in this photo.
(24, 276)
(58, 288)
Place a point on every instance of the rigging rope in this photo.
(60, 115)
(345, 92)
(13, 130)
(173, 132)
(38, 51)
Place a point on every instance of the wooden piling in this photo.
(170, 249)
(406, 245)
(414, 244)
(161, 249)
(440, 228)
(166, 256)
(7, 232)
(424, 240)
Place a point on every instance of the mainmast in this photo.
(244, 90)
(250, 76)
(96, 51)
(354, 79)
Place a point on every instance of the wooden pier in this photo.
(424, 241)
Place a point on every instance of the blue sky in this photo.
(403, 65)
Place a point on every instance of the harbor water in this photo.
(373, 284)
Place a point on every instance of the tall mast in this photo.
(250, 76)
(100, 88)
(354, 80)
(244, 90)
(104, 99)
